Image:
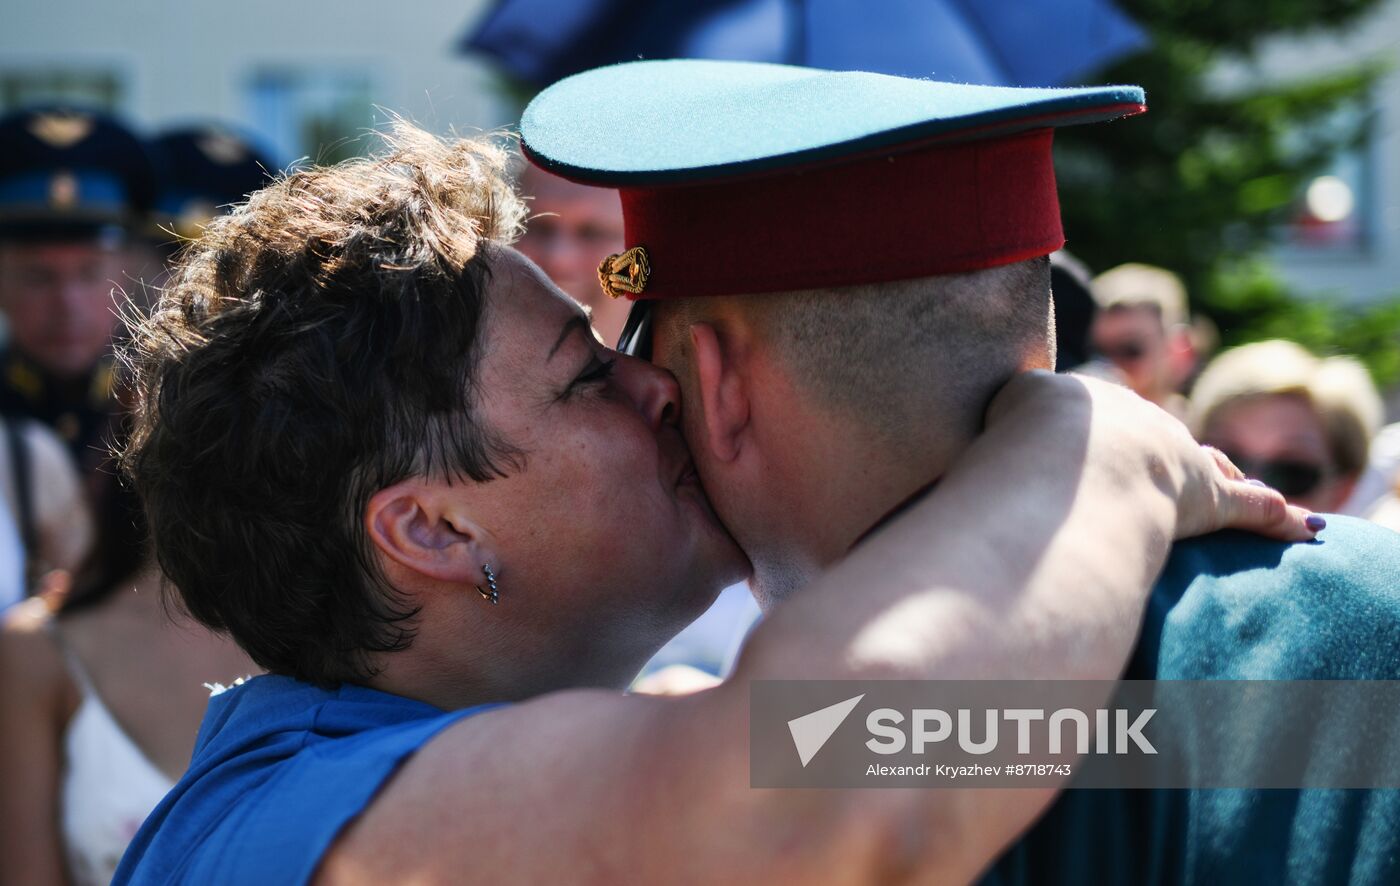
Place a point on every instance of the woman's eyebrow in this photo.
(576, 323)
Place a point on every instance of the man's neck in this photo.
(845, 483)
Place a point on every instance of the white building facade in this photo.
(299, 74)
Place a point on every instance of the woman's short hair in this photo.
(1339, 389)
(312, 347)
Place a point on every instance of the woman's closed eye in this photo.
(597, 372)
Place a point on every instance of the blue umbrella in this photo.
(995, 42)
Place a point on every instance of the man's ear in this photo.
(423, 528)
(724, 398)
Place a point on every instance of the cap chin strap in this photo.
(635, 340)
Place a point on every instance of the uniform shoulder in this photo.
(1233, 605)
(1353, 553)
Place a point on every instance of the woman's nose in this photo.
(655, 391)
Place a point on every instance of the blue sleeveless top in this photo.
(279, 769)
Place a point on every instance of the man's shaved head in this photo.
(879, 351)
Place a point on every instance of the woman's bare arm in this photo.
(34, 706)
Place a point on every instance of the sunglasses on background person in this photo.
(1291, 477)
(1127, 352)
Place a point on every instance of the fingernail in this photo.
(1315, 522)
(1252, 482)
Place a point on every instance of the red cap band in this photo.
(949, 209)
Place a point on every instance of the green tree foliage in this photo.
(1200, 183)
(1250, 301)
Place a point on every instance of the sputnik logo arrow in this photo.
(811, 731)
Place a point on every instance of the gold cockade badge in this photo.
(625, 273)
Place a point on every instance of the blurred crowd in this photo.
(103, 685)
(1307, 425)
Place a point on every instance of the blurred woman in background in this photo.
(100, 703)
(1300, 423)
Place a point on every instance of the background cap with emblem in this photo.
(70, 173)
(745, 178)
(203, 169)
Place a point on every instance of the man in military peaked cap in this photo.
(73, 183)
(885, 238)
(202, 170)
(842, 269)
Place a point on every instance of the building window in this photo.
(316, 113)
(99, 89)
(1333, 213)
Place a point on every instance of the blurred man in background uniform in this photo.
(202, 171)
(73, 185)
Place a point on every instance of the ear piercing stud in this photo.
(492, 594)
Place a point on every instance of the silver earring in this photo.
(493, 595)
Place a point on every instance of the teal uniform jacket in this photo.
(1237, 607)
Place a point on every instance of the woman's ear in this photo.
(423, 527)
(720, 383)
